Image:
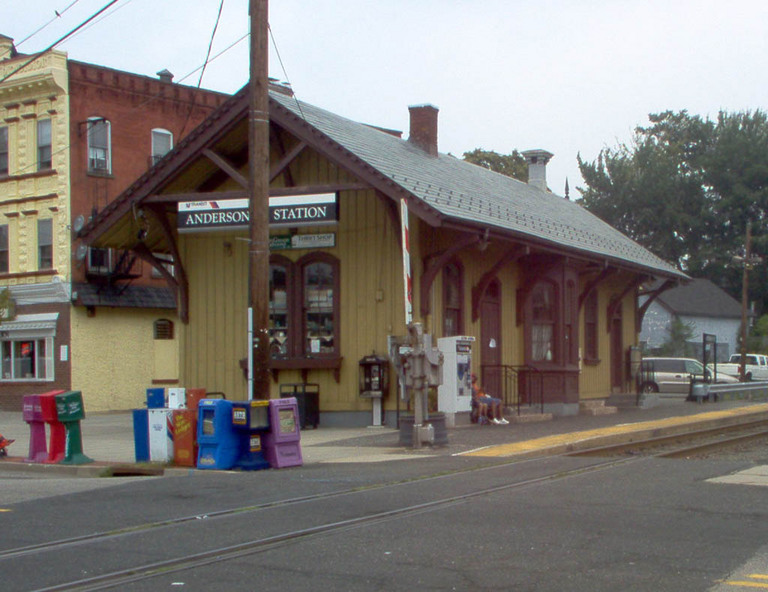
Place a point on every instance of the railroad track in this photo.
(613, 457)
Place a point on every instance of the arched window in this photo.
(544, 323)
(162, 143)
(453, 298)
(163, 329)
(304, 306)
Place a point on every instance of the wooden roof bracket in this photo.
(285, 162)
(182, 282)
(509, 256)
(592, 285)
(653, 295)
(225, 166)
(616, 300)
(435, 262)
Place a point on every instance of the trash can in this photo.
(307, 397)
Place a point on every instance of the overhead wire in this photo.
(55, 43)
(202, 71)
(58, 16)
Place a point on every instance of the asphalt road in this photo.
(441, 523)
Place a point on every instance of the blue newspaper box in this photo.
(155, 398)
(219, 442)
(141, 434)
(251, 419)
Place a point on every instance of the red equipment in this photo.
(4, 444)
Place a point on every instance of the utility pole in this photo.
(258, 208)
(747, 262)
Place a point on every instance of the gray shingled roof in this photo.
(468, 193)
(701, 298)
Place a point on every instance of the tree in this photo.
(512, 165)
(679, 334)
(685, 188)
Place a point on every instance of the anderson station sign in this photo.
(232, 214)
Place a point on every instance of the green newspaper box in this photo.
(70, 410)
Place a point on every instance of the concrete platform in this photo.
(108, 438)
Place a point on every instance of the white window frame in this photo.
(38, 329)
(41, 245)
(96, 268)
(42, 146)
(99, 157)
(167, 263)
(157, 151)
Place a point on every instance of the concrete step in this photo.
(596, 407)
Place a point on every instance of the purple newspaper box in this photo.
(282, 444)
(32, 412)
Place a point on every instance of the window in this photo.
(304, 307)
(162, 143)
(453, 296)
(99, 137)
(45, 243)
(570, 311)
(44, 154)
(99, 260)
(543, 329)
(27, 359)
(167, 263)
(163, 329)
(279, 310)
(319, 317)
(4, 249)
(590, 327)
(3, 150)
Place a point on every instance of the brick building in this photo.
(74, 135)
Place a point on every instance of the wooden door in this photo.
(617, 352)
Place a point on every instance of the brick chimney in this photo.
(7, 49)
(537, 167)
(423, 132)
(165, 75)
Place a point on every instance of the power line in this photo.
(58, 15)
(50, 47)
(205, 64)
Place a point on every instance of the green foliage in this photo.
(678, 336)
(685, 188)
(512, 165)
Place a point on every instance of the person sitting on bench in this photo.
(487, 406)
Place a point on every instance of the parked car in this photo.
(673, 375)
(756, 367)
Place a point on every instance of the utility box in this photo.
(454, 395)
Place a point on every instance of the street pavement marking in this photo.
(5, 510)
(748, 584)
(514, 448)
(753, 476)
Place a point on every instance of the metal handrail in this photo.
(521, 386)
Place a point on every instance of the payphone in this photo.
(374, 383)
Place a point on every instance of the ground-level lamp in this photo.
(747, 262)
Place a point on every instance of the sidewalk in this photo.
(108, 438)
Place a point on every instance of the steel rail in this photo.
(218, 555)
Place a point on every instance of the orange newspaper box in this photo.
(185, 437)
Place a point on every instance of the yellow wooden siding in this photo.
(371, 305)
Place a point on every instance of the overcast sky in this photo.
(568, 76)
